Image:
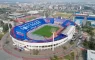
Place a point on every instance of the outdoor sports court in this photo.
(45, 31)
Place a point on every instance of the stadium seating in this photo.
(66, 23)
(60, 36)
(20, 32)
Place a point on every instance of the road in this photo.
(10, 49)
(3, 54)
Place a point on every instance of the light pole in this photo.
(53, 30)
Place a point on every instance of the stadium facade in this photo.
(23, 35)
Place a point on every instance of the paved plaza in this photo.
(12, 53)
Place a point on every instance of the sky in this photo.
(47, 0)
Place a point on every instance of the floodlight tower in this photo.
(53, 30)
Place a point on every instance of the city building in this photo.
(33, 12)
(90, 55)
(81, 19)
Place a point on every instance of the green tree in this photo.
(85, 44)
(10, 25)
(54, 58)
(89, 44)
(35, 52)
(1, 35)
(5, 28)
(71, 42)
(87, 8)
(1, 23)
(64, 47)
(88, 29)
(51, 58)
(88, 23)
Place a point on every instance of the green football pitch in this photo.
(45, 31)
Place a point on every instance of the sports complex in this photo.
(42, 33)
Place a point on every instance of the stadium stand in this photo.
(20, 32)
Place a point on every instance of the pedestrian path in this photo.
(6, 56)
(0, 45)
(35, 59)
(42, 55)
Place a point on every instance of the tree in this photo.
(71, 42)
(88, 29)
(1, 35)
(10, 25)
(35, 52)
(64, 47)
(88, 23)
(1, 23)
(85, 43)
(56, 57)
(87, 8)
(5, 28)
(51, 58)
(89, 44)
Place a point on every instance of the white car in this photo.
(80, 37)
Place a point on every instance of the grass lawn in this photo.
(70, 56)
(30, 18)
(45, 31)
(67, 57)
(64, 15)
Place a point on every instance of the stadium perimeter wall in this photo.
(46, 45)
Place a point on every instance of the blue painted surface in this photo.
(91, 18)
(82, 17)
(67, 23)
(79, 17)
(20, 32)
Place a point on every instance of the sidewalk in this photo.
(78, 54)
(0, 45)
(6, 56)
(35, 59)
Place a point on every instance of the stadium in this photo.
(42, 33)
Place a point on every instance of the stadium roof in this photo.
(33, 12)
(80, 14)
(15, 14)
(92, 15)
